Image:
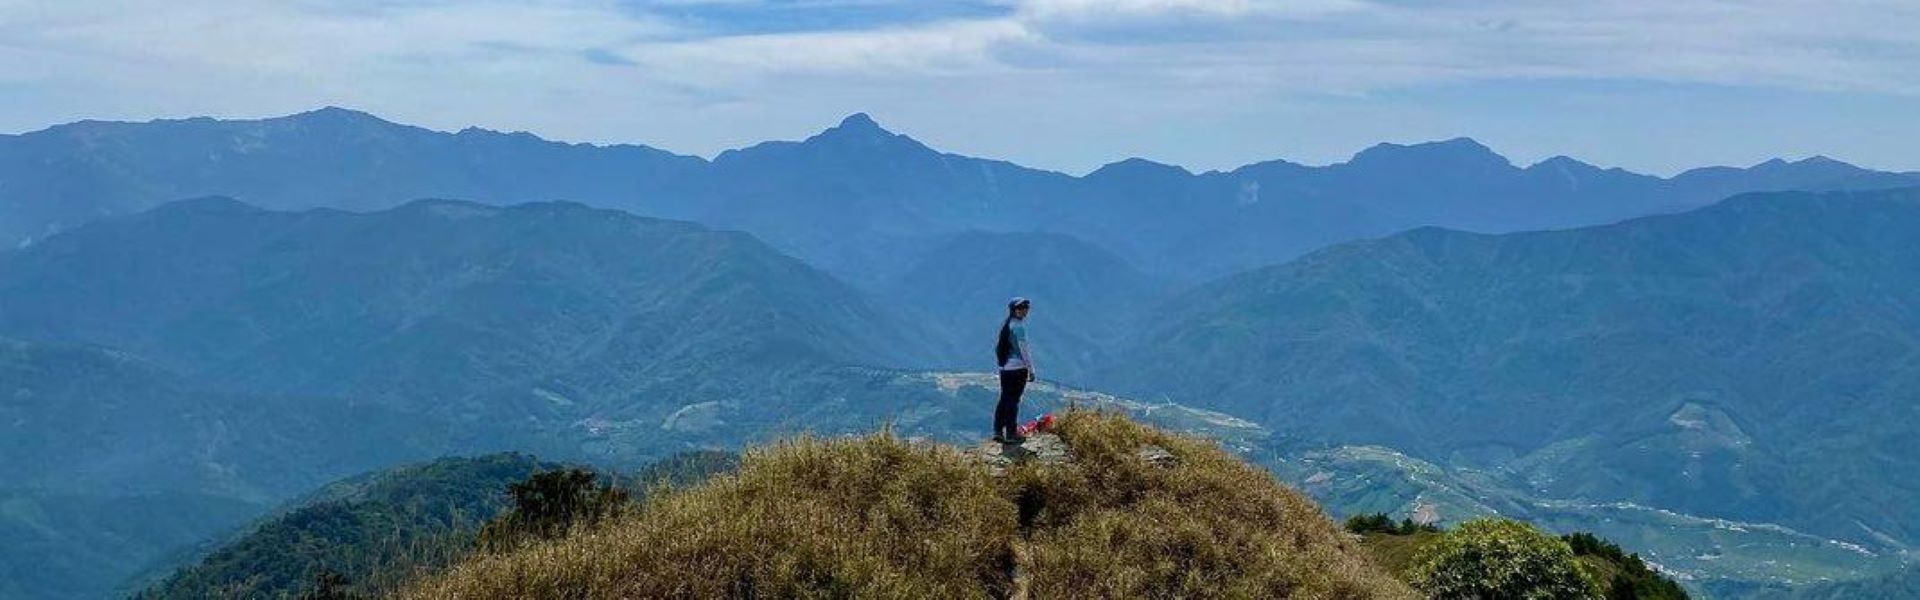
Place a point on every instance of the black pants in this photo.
(1006, 417)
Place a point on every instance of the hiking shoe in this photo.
(1014, 439)
(999, 439)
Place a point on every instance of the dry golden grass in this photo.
(1117, 526)
(878, 517)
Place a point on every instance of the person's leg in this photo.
(1004, 413)
(1015, 391)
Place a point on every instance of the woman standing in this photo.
(1016, 369)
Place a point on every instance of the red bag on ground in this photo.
(1042, 424)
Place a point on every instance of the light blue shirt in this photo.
(1017, 359)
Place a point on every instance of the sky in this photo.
(1653, 86)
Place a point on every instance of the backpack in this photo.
(1003, 349)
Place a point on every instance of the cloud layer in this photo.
(1205, 82)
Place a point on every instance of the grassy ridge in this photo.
(883, 517)
(377, 532)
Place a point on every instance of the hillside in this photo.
(377, 531)
(336, 303)
(113, 462)
(1900, 585)
(392, 522)
(1752, 360)
(213, 352)
(881, 516)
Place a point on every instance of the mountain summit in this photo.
(1118, 511)
(861, 123)
(860, 129)
(1456, 152)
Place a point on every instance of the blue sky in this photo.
(1653, 86)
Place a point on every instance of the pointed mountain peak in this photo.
(1456, 151)
(1563, 162)
(857, 126)
(859, 121)
(860, 131)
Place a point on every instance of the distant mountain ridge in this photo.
(845, 198)
(237, 355)
(328, 302)
(1751, 360)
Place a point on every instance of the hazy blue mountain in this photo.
(1752, 360)
(82, 419)
(853, 197)
(55, 545)
(1083, 295)
(216, 353)
(1817, 173)
(559, 308)
(63, 176)
(112, 462)
(845, 198)
(395, 520)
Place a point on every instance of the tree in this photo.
(329, 584)
(1500, 558)
(551, 503)
(1380, 523)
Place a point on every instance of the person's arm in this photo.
(1026, 352)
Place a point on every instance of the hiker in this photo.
(1016, 369)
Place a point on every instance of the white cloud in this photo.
(1343, 46)
(1114, 10)
(935, 49)
(613, 70)
(1096, 9)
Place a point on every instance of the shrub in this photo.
(1364, 524)
(329, 584)
(549, 504)
(1629, 578)
(1499, 558)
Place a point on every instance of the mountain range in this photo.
(209, 318)
(1752, 360)
(214, 352)
(856, 197)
